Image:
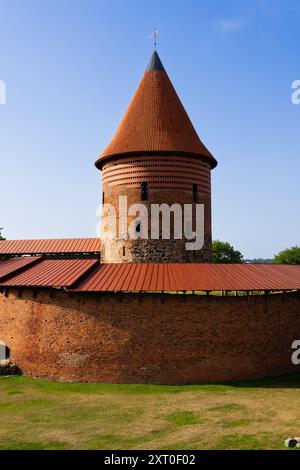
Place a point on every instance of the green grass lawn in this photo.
(39, 414)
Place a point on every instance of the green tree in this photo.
(1, 238)
(288, 256)
(224, 253)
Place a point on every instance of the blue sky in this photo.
(70, 68)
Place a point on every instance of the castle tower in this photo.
(156, 157)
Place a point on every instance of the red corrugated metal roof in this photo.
(51, 273)
(59, 245)
(190, 277)
(88, 276)
(11, 266)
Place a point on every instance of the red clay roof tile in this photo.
(156, 121)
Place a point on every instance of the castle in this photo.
(146, 309)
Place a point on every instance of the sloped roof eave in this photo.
(108, 157)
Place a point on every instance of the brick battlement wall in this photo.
(132, 338)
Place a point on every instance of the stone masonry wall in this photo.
(163, 251)
(150, 338)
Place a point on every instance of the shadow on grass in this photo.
(285, 381)
(15, 382)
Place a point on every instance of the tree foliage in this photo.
(288, 256)
(224, 253)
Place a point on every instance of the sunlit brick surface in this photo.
(147, 338)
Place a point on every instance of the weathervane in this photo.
(154, 37)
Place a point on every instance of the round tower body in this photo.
(170, 181)
(156, 176)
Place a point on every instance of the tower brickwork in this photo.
(156, 157)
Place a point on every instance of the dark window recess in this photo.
(144, 191)
(195, 192)
(138, 227)
(103, 198)
(4, 352)
(123, 250)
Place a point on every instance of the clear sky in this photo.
(70, 68)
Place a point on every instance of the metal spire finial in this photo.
(154, 37)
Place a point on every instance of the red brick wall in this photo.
(170, 180)
(131, 338)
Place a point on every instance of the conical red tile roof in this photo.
(155, 120)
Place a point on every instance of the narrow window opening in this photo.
(124, 251)
(4, 352)
(144, 191)
(195, 192)
(103, 197)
